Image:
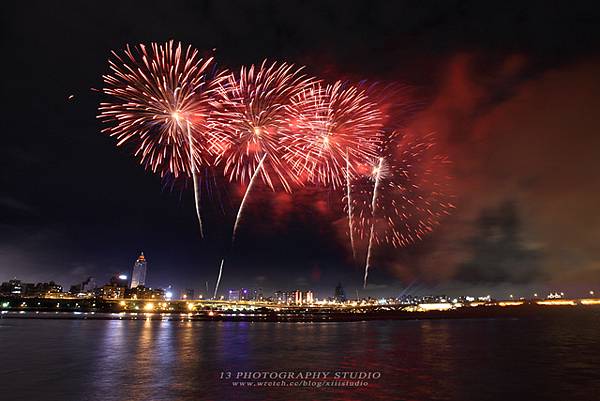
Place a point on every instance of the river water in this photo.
(555, 357)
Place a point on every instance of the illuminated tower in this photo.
(138, 277)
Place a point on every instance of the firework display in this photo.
(275, 125)
(161, 100)
(333, 129)
(253, 121)
(402, 195)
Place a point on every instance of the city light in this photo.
(510, 303)
(557, 302)
(122, 277)
(441, 306)
(250, 303)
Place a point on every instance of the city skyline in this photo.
(244, 292)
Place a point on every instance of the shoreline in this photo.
(477, 312)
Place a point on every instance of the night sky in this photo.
(512, 91)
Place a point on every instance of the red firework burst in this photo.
(404, 193)
(253, 119)
(333, 129)
(161, 98)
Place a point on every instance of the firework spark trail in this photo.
(253, 119)
(241, 209)
(161, 97)
(152, 90)
(373, 205)
(219, 279)
(414, 192)
(331, 124)
(250, 123)
(239, 215)
(195, 180)
(349, 201)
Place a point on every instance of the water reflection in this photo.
(550, 358)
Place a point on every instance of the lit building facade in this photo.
(233, 295)
(142, 292)
(294, 297)
(18, 288)
(280, 297)
(12, 287)
(110, 291)
(138, 276)
(244, 294)
(257, 295)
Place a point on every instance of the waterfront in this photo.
(551, 357)
(64, 307)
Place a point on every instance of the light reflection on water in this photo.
(488, 359)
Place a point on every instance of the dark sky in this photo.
(511, 89)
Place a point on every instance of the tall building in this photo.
(12, 287)
(297, 297)
(138, 276)
(257, 294)
(280, 297)
(233, 295)
(340, 294)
